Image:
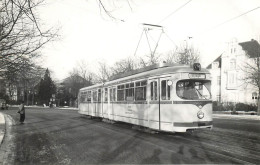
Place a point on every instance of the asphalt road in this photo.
(51, 136)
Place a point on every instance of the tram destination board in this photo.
(197, 75)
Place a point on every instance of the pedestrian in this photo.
(22, 112)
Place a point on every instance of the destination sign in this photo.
(197, 75)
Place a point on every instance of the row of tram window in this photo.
(134, 91)
(137, 91)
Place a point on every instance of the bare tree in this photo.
(251, 68)
(104, 72)
(108, 7)
(122, 66)
(22, 76)
(185, 54)
(20, 32)
(83, 70)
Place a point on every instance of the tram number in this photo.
(196, 75)
(129, 109)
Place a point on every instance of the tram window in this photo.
(94, 95)
(154, 90)
(129, 91)
(105, 95)
(140, 90)
(82, 97)
(88, 96)
(99, 95)
(112, 94)
(120, 93)
(193, 90)
(165, 90)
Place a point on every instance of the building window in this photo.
(231, 79)
(233, 64)
(218, 98)
(215, 65)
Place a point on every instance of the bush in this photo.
(245, 107)
(217, 106)
(230, 106)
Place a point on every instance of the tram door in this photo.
(154, 103)
(112, 99)
(165, 102)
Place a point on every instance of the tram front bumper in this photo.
(193, 124)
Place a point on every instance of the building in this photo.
(228, 73)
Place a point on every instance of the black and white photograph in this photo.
(129, 82)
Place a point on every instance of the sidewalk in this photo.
(237, 117)
(2, 127)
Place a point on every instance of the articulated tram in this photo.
(172, 98)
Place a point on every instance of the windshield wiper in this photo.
(200, 94)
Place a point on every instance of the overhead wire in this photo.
(174, 12)
(231, 19)
(169, 15)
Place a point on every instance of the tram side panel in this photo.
(153, 115)
(99, 109)
(106, 110)
(133, 113)
(110, 111)
(92, 108)
(119, 111)
(83, 108)
(136, 112)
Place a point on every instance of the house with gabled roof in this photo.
(227, 70)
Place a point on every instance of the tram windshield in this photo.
(194, 89)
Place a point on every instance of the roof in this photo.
(154, 71)
(252, 48)
(148, 68)
(218, 59)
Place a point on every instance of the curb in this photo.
(2, 127)
(228, 116)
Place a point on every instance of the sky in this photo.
(88, 35)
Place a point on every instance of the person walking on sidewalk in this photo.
(22, 112)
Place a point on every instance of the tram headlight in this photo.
(200, 114)
(197, 66)
(169, 82)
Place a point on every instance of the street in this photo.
(53, 136)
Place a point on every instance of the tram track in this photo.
(249, 146)
(239, 133)
(220, 148)
(171, 142)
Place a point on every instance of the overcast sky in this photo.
(91, 36)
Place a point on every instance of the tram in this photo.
(167, 97)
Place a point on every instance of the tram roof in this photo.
(151, 71)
